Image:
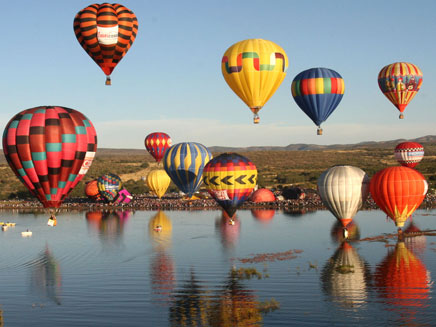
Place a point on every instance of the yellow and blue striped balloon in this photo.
(184, 163)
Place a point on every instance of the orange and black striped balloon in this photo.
(106, 32)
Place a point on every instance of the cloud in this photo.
(131, 133)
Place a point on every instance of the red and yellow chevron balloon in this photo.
(230, 179)
(254, 70)
(398, 191)
(157, 143)
(50, 149)
(106, 32)
(400, 82)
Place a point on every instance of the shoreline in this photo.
(177, 202)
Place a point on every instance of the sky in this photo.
(170, 80)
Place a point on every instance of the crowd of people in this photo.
(175, 201)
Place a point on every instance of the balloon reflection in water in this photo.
(46, 276)
(229, 229)
(162, 264)
(109, 224)
(345, 277)
(231, 305)
(263, 215)
(417, 243)
(404, 282)
(337, 232)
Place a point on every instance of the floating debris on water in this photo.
(264, 257)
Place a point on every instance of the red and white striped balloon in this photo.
(409, 154)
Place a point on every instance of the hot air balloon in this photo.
(106, 32)
(91, 190)
(262, 195)
(398, 191)
(343, 190)
(123, 197)
(156, 144)
(318, 91)
(254, 69)
(50, 149)
(109, 185)
(230, 179)
(158, 182)
(184, 163)
(409, 154)
(400, 82)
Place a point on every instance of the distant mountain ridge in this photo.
(291, 147)
(311, 147)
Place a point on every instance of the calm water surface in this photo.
(115, 269)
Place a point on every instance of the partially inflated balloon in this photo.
(158, 182)
(109, 185)
(318, 91)
(254, 70)
(398, 191)
(409, 154)
(400, 82)
(91, 190)
(343, 190)
(157, 143)
(106, 32)
(50, 149)
(184, 163)
(230, 179)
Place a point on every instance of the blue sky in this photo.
(171, 81)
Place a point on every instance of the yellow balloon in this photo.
(254, 69)
(158, 182)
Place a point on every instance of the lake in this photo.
(193, 268)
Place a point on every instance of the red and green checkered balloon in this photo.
(50, 149)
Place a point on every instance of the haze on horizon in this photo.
(171, 81)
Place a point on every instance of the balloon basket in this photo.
(319, 131)
(108, 80)
(401, 116)
(256, 119)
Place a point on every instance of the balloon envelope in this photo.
(50, 149)
(109, 185)
(158, 182)
(254, 69)
(106, 32)
(230, 179)
(318, 91)
(400, 82)
(263, 195)
(184, 163)
(398, 191)
(91, 190)
(409, 154)
(157, 143)
(343, 190)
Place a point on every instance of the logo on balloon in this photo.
(107, 35)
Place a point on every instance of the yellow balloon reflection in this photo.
(403, 282)
(46, 276)
(345, 277)
(162, 264)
